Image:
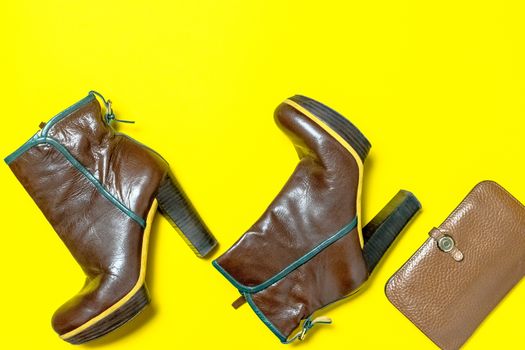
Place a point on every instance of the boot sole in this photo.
(348, 131)
(178, 210)
(126, 308)
(123, 314)
(343, 132)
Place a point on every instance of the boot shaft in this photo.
(95, 186)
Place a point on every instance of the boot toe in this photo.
(71, 315)
(95, 297)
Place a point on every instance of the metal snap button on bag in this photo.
(446, 243)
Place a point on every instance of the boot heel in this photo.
(181, 214)
(382, 230)
(348, 131)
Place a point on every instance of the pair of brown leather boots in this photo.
(100, 190)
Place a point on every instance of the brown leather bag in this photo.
(466, 267)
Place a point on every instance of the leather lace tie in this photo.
(307, 325)
(110, 115)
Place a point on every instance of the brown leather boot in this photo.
(308, 249)
(100, 190)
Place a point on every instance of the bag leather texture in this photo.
(448, 294)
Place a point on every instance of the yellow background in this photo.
(437, 87)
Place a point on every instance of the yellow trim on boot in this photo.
(134, 290)
(349, 148)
